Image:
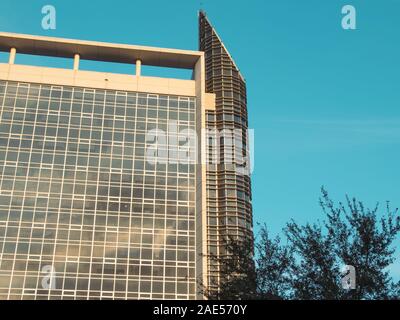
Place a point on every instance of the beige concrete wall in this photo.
(209, 101)
(98, 51)
(97, 80)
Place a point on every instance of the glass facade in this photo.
(82, 213)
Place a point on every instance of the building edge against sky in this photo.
(229, 207)
(144, 262)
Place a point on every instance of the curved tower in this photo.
(229, 209)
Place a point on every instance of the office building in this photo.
(229, 209)
(105, 189)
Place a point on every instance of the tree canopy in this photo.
(309, 265)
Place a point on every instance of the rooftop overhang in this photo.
(99, 51)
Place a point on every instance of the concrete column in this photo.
(13, 52)
(138, 67)
(76, 61)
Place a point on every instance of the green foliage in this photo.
(309, 265)
(238, 277)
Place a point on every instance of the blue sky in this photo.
(324, 102)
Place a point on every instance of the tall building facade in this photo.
(229, 208)
(105, 190)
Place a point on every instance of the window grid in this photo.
(69, 199)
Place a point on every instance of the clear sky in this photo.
(324, 102)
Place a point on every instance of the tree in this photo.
(314, 273)
(237, 271)
(273, 262)
(309, 265)
(365, 241)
